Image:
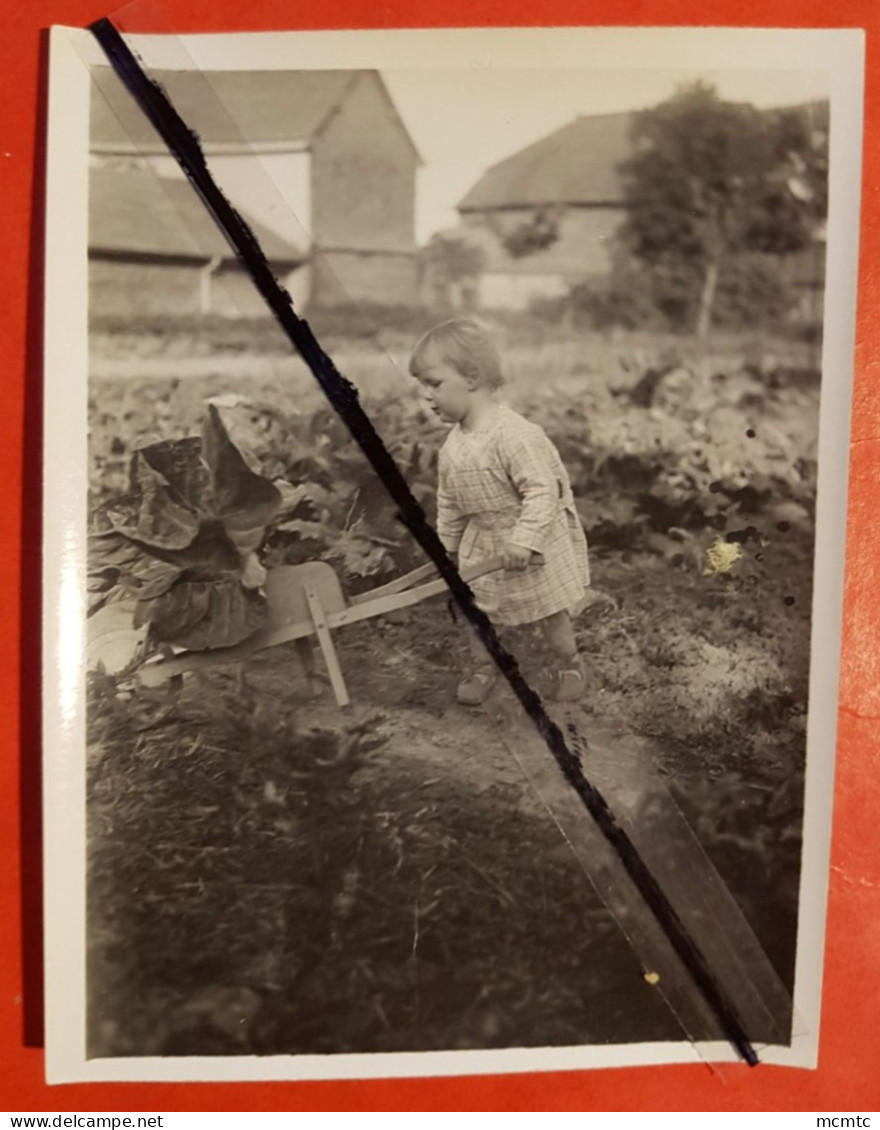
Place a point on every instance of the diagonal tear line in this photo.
(343, 396)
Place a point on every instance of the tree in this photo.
(711, 181)
(453, 261)
(538, 232)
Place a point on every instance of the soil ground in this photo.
(247, 897)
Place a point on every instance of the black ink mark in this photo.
(343, 396)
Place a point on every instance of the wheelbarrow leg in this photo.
(306, 654)
(322, 631)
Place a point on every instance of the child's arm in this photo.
(535, 480)
(450, 520)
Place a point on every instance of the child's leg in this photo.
(479, 656)
(559, 632)
(475, 688)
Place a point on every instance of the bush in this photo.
(751, 292)
(628, 303)
(664, 298)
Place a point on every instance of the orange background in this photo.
(848, 1078)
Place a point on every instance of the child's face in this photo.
(447, 391)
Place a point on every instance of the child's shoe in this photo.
(570, 683)
(475, 690)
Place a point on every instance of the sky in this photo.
(464, 121)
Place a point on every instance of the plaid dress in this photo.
(504, 481)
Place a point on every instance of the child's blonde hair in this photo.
(468, 346)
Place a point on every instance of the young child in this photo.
(503, 491)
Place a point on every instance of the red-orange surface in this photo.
(847, 1078)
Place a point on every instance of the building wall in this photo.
(233, 294)
(374, 279)
(518, 292)
(134, 290)
(274, 188)
(129, 290)
(363, 196)
(581, 251)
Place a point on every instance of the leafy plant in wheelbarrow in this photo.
(174, 563)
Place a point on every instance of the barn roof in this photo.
(133, 211)
(269, 110)
(575, 165)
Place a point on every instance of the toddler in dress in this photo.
(503, 490)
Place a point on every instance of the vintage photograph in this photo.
(585, 310)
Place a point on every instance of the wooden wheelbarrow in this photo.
(305, 601)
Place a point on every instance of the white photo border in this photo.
(839, 53)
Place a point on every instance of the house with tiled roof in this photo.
(566, 185)
(319, 162)
(545, 218)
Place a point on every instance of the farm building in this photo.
(543, 220)
(177, 262)
(319, 160)
(566, 183)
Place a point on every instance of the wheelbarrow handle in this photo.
(399, 584)
(481, 568)
(392, 602)
(424, 572)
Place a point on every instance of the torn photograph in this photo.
(445, 462)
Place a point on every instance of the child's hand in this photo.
(516, 557)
